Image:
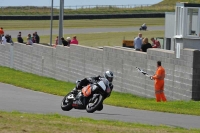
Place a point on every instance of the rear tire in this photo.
(92, 107)
(66, 105)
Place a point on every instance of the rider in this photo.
(108, 75)
(144, 27)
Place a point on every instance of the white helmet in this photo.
(109, 76)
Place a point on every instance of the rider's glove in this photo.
(151, 77)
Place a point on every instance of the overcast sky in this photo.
(74, 2)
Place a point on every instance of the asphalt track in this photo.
(18, 99)
(42, 32)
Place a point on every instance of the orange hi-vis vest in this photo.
(159, 78)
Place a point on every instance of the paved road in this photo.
(17, 99)
(14, 33)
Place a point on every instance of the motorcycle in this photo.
(143, 28)
(90, 97)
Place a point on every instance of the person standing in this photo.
(56, 42)
(20, 39)
(64, 42)
(145, 45)
(69, 40)
(155, 43)
(159, 83)
(1, 33)
(138, 42)
(74, 40)
(37, 38)
(3, 40)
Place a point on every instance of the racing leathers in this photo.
(84, 82)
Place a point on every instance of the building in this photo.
(182, 27)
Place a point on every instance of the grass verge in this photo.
(15, 122)
(52, 86)
(87, 23)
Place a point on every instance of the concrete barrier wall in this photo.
(70, 64)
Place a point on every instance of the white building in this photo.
(182, 27)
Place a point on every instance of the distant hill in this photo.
(173, 2)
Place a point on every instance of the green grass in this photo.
(52, 86)
(173, 2)
(92, 10)
(45, 24)
(104, 39)
(15, 122)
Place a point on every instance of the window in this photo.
(192, 22)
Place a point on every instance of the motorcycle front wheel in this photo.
(66, 104)
(94, 105)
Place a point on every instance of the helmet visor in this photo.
(110, 79)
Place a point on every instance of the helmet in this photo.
(109, 76)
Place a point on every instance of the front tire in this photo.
(100, 107)
(94, 105)
(66, 104)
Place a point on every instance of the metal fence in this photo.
(84, 9)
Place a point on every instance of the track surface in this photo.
(18, 99)
(40, 32)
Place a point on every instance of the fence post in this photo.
(11, 55)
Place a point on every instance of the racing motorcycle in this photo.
(90, 97)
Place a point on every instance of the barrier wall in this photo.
(85, 16)
(70, 64)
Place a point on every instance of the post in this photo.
(190, 20)
(51, 22)
(61, 22)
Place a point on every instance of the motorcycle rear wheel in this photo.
(92, 107)
(66, 105)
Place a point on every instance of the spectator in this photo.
(19, 34)
(34, 38)
(64, 42)
(138, 42)
(74, 40)
(10, 41)
(37, 38)
(7, 38)
(29, 40)
(145, 45)
(20, 39)
(3, 41)
(155, 43)
(69, 40)
(1, 33)
(56, 42)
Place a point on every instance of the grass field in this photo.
(173, 2)
(52, 86)
(15, 122)
(45, 24)
(86, 10)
